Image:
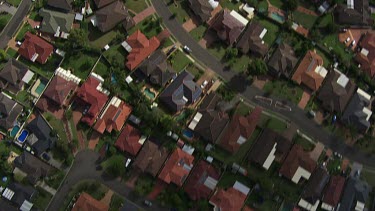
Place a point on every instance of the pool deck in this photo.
(152, 90)
(33, 89)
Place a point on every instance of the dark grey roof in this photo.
(157, 69)
(32, 166)
(282, 61)
(355, 191)
(181, 92)
(201, 8)
(12, 74)
(251, 42)
(213, 121)
(354, 114)
(6, 206)
(42, 131)
(21, 193)
(315, 185)
(64, 5)
(9, 111)
(54, 20)
(358, 16)
(109, 16)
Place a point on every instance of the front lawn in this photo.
(136, 5)
(42, 199)
(4, 19)
(198, 32)
(284, 89)
(46, 70)
(304, 143)
(239, 64)
(334, 166)
(179, 10)
(276, 125)
(21, 33)
(179, 60)
(242, 109)
(80, 64)
(55, 179)
(272, 31)
(15, 3)
(12, 53)
(149, 26)
(304, 19)
(217, 49)
(193, 69)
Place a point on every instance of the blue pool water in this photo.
(113, 79)
(14, 131)
(277, 17)
(188, 134)
(23, 136)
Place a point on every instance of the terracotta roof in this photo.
(113, 117)
(202, 181)
(89, 95)
(151, 158)
(110, 16)
(333, 191)
(228, 200)
(85, 202)
(240, 127)
(177, 168)
(128, 140)
(59, 89)
(33, 45)
(367, 61)
(305, 72)
(141, 48)
(297, 157)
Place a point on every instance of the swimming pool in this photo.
(40, 88)
(150, 94)
(113, 79)
(188, 134)
(14, 131)
(277, 17)
(22, 137)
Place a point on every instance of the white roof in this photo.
(364, 51)
(363, 94)
(195, 121)
(8, 194)
(127, 47)
(350, 4)
(188, 149)
(263, 33)
(94, 21)
(26, 206)
(321, 71)
(129, 79)
(209, 159)
(28, 76)
(78, 17)
(241, 187)
(213, 3)
(249, 10)
(239, 17)
(210, 183)
(106, 47)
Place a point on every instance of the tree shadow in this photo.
(239, 83)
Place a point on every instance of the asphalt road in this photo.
(239, 84)
(14, 23)
(84, 168)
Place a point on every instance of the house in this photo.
(332, 193)
(93, 97)
(130, 140)
(204, 9)
(211, 120)
(57, 23)
(355, 195)
(310, 71)
(252, 40)
(182, 92)
(111, 15)
(366, 56)
(20, 196)
(355, 13)
(202, 181)
(336, 91)
(297, 165)
(34, 168)
(102, 3)
(232, 199)
(61, 5)
(282, 61)
(113, 117)
(9, 110)
(156, 69)
(270, 146)
(35, 48)
(151, 158)
(358, 111)
(14, 76)
(40, 136)
(310, 197)
(139, 48)
(85, 202)
(62, 86)
(228, 25)
(177, 167)
(240, 130)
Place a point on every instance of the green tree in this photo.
(231, 53)
(257, 67)
(3, 55)
(77, 40)
(291, 5)
(115, 166)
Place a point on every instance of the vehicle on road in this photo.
(187, 49)
(148, 203)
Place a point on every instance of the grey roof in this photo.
(315, 185)
(354, 115)
(53, 19)
(358, 16)
(21, 193)
(9, 111)
(250, 40)
(355, 191)
(202, 9)
(12, 74)
(64, 5)
(32, 166)
(157, 69)
(183, 87)
(40, 129)
(282, 61)
(109, 16)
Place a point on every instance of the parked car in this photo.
(19, 43)
(148, 203)
(46, 157)
(312, 113)
(187, 49)
(204, 84)
(127, 162)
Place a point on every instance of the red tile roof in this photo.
(87, 203)
(59, 89)
(228, 200)
(297, 157)
(90, 96)
(114, 116)
(195, 185)
(305, 72)
(367, 61)
(128, 140)
(240, 126)
(333, 191)
(35, 45)
(177, 167)
(141, 48)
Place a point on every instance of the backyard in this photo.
(332, 43)
(272, 31)
(116, 56)
(102, 68)
(284, 89)
(277, 3)
(230, 4)
(46, 70)
(304, 19)
(98, 40)
(179, 10)
(80, 64)
(198, 32)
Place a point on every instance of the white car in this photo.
(187, 49)
(127, 162)
(19, 43)
(204, 84)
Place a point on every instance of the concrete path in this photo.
(144, 14)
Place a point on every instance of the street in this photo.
(244, 88)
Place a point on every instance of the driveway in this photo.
(84, 168)
(10, 29)
(239, 84)
(8, 8)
